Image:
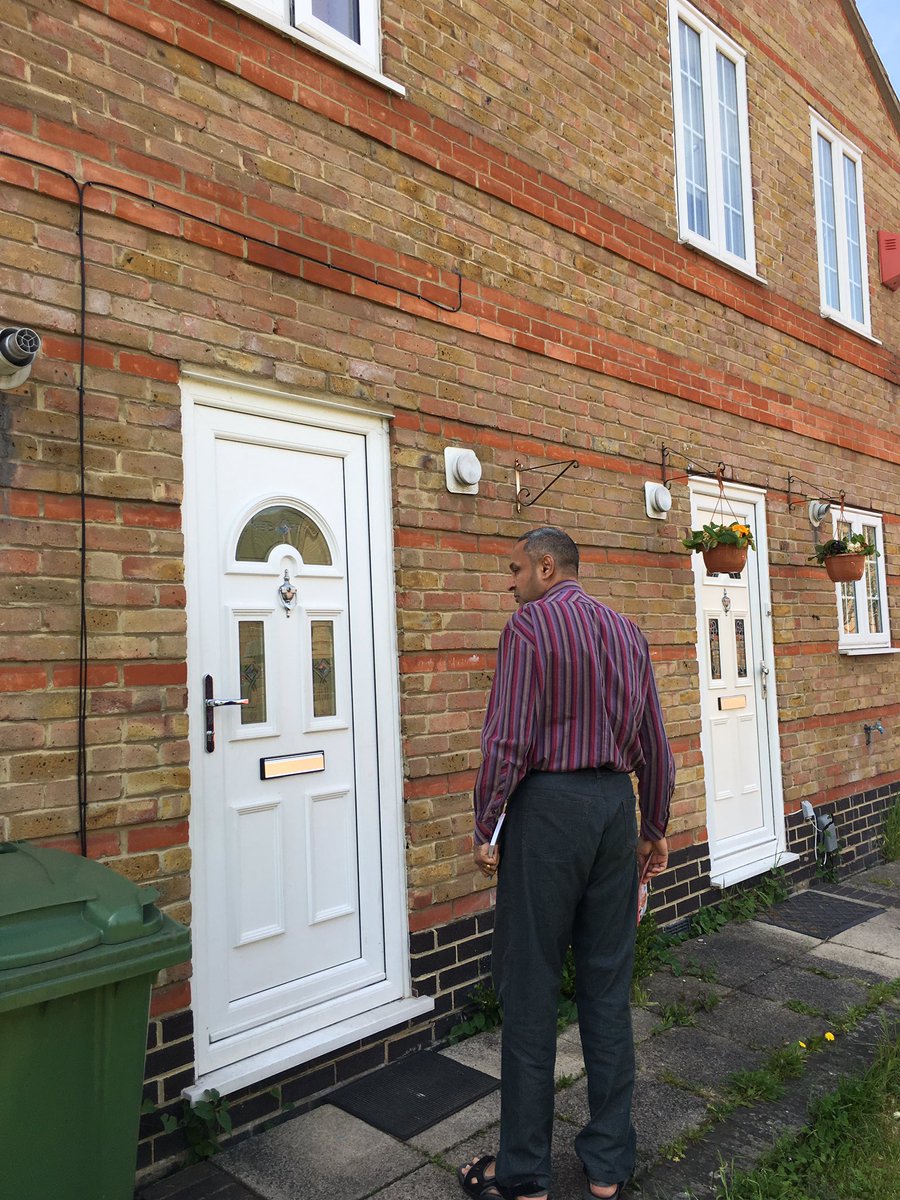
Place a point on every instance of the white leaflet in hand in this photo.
(497, 828)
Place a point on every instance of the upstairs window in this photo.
(841, 227)
(862, 606)
(712, 138)
(346, 29)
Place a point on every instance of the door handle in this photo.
(764, 679)
(210, 704)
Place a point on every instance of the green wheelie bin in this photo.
(80, 947)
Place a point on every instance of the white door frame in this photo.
(202, 389)
(723, 874)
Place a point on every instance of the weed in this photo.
(805, 1010)
(706, 1002)
(672, 1015)
(201, 1123)
(742, 904)
(890, 837)
(487, 1015)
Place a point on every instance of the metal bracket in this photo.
(524, 499)
(797, 497)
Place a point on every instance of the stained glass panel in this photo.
(252, 656)
(740, 647)
(282, 524)
(323, 681)
(715, 650)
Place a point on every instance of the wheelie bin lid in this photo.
(54, 904)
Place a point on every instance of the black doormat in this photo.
(413, 1094)
(819, 914)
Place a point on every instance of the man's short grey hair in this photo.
(548, 540)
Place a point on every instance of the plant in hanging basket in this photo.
(844, 558)
(724, 547)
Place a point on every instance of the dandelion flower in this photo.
(803, 1044)
(829, 1036)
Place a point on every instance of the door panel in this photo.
(745, 818)
(290, 794)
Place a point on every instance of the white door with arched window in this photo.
(299, 927)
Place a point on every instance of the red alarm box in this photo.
(889, 254)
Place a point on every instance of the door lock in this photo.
(210, 704)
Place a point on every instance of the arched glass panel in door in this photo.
(283, 525)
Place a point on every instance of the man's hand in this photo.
(653, 857)
(487, 859)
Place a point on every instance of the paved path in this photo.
(746, 991)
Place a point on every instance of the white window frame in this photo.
(295, 18)
(840, 149)
(863, 642)
(712, 42)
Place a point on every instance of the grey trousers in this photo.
(567, 876)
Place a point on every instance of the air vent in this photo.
(889, 255)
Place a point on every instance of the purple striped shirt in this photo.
(573, 688)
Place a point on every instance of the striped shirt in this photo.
(573, 688)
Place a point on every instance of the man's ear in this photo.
(548, 565)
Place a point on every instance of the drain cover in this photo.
(819, 914)
(413, 1094)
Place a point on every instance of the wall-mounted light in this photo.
(657, 500)
(818, 511)
(18, 349)
(462, 470)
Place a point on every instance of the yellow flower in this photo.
(803, 1044)
(829, 1037)
(743, 530)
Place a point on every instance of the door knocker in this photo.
(288, 594)
(726, 600)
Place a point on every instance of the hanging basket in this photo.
(845, 568)
(725, 559)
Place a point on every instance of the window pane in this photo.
(324, 693)
(280, 524)
(342, 15)
(252, 655)
(828, 230)
(694, 130)
(854, 254)
(732, 191)
(870, 583)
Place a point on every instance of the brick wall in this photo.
(306, 231)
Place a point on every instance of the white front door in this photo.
(294, 837)
(739, 737)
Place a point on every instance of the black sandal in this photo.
(475, 1183)
(587, 1194)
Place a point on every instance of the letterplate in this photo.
(728, 702)
(291, 764)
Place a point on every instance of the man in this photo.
(573, 709)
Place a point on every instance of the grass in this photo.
(851, 1150)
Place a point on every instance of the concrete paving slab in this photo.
(432, 1182)
(694, 1056)
(831, 997)
(739, 953)
(879, 935)
(750, 1023)
(324, 1152)
(884, 875)
(470, 1120)
(481, 1052)
(202, 1181)
(862, 962)
(643, 1022)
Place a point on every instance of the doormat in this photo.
(413, 1094)
(819, 914)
